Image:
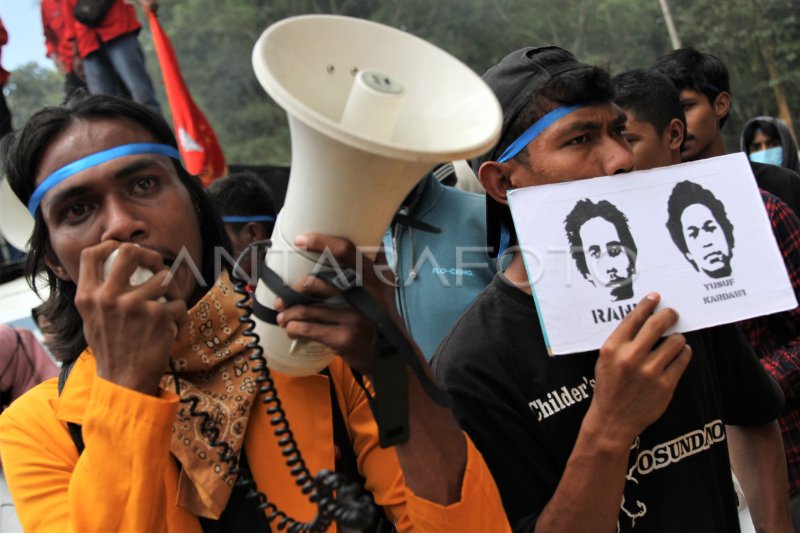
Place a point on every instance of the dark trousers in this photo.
(72, 83)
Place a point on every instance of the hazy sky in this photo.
(23, 22)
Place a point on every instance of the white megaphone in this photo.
(16, 223)
(371, 110)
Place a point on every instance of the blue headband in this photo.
(93, 160)
(536, 128)
(254, 218)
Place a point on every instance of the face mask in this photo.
(770, 156)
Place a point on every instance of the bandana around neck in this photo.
(213, 364)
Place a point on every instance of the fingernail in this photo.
(279, 319)
(653, 296)
(301, 240)
(278, 303)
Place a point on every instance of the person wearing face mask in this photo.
(768, 140)
(704, 88)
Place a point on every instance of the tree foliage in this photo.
(31, 87)
(750, 36)
(214, 42)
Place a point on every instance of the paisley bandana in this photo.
(212, 364)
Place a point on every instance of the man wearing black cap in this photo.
(632, 436)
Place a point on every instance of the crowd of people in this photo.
(162, 416)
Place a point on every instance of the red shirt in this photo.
(55, 18)
(3, 40)
(119, 20)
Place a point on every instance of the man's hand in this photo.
(343, 329)
(635, 379)
(128, 329)
(149, 5)
(60, 67)
(635, 374)
(434, 457)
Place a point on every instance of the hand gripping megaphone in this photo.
(371, 110)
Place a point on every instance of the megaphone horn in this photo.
(371, 109)
(16, 223)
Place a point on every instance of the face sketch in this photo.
(700, 228)
(706, 244)
(609, 263)
(602, 246)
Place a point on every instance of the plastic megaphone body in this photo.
(16, 223)
(371, 110)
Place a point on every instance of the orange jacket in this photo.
(126, 480)
(119, 20)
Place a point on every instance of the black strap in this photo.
(390, 336)
(290, 297)
(391, 350)
(411, 222)
(347, 462)
(392, 353)
(75, 430)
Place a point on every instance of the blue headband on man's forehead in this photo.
(536, 128)
(254, 218)
(93, 160)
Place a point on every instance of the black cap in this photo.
(514, 81)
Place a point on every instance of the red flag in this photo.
(200, 150)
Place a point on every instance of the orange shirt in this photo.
(126, 479)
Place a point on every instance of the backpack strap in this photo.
(75, 430)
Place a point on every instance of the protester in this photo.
(705, 92)
(571, 440)
(55, 20)
(23, 363)
(437, 249)
(768, 140)
(145, 465)
(48, 335)
(248, 211)
(655, 131)
(110, 52)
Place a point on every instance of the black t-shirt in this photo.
(523, 409)
(782, 182)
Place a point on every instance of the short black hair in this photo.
(22, 153)
(243, 194)
(650, 96)
(584, 211)
(590, 84)
(698, 71)
(529, 83)
(687, 193)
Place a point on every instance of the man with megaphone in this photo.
(165, 390)
(628, 437)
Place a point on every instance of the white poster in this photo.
(697, 233)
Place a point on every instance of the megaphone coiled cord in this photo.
(351, 508)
